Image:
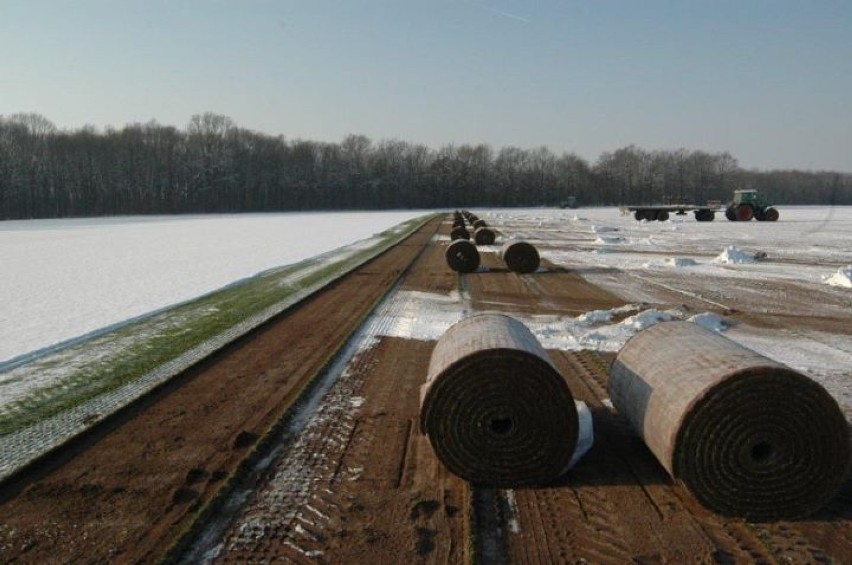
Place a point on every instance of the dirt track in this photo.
(360, 483)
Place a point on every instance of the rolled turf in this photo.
(748, 436)
(462, 256)
(495, 409)
(520, 256)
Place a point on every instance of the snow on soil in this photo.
(609, 240)
(733, 255)
(65, 278)
(426, 316)
(672, 262)
(711, 321)
(843, 277)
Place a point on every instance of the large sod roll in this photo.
(459, 232)
(484, 236)
(748, 436)
(520, 256)
(462, 256)
(495, 409)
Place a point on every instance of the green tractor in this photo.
(748, 204)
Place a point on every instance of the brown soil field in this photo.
(180, 472)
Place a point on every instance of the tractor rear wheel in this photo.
(745, 212)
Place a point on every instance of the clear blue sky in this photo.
(769, 81)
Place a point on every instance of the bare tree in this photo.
(213, 165)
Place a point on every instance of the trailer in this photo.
(661, 212)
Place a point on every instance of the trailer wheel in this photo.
(662, 215)
(459, 233)
(745, 212)
(771, 214)
(639, 215)
(704, 215)
(731, 213)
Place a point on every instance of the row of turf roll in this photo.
(746, 435)
(482, 233)
(462, 255)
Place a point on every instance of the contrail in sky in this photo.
(500, 12)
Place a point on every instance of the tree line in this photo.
(215, 166)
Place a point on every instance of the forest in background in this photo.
(215, 166)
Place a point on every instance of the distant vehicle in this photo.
(748, 204)
(661, 212)
(570, 202)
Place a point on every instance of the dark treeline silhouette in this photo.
(215, 166)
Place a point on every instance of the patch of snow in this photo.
(421, 315)
(602, 229)
(426, 316)
(512, 519)
(673, 262)
(710, 321)
(595, 317)
(649, 318)
(608, 240)
(679, 262)
(734, 255)
(842, 278)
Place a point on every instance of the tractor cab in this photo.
(748, 204)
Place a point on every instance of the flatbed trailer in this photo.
(661, 212)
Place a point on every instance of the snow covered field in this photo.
(65, 278)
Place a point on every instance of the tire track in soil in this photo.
(378, 495)
(679, 526)
(559, 523)
(618, 504)
(823, 538)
